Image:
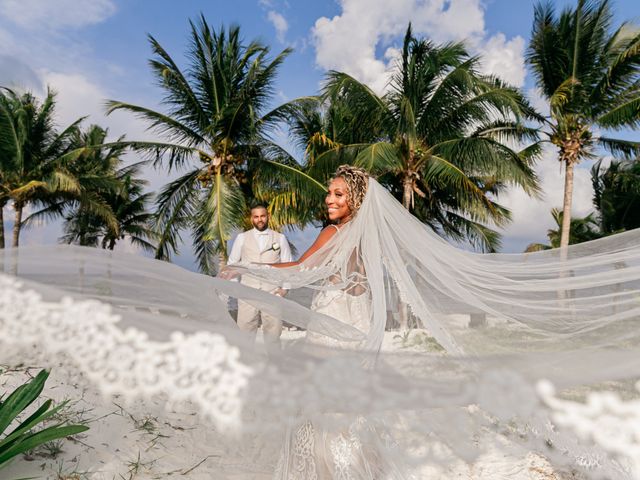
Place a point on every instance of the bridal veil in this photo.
(514, 344)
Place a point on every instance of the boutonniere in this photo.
(274, 246)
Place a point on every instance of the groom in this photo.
(260, 245)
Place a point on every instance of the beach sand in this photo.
(135, 442)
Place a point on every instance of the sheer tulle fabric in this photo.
(507, 324)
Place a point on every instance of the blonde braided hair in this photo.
(357, 180)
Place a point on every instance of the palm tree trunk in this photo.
(403, 312)
(2, 253)
(112, 244)
(17, 225)
(403, 316)
(566, 208)
(407, 189)
(1, 225)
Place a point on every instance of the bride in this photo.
(568, 317)
(337, 446)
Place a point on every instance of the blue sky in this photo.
(100, 51)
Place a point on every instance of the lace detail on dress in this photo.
(345, 449)
(355, 310)
(304, 464)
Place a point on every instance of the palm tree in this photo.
(440, 133)
(588, 72)
(110, 204)
(132, 219)
(582, 230)
(92, 167)
(217, 128)
(617, 195)
(33, 154)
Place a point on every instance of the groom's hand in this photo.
(228, 273)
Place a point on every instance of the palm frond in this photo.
(562, 95)
(220, 212)
(537, 247)
(624, 114)
(10, 145)
(328, 162)
(620, 148)
(439, 170)
(174, 155)
(365, 106)
(27, 188)
(379, 157)
(163, 125)
(179, 95)
(175, 207)
(485, 156)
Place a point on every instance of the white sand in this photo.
(131, 443)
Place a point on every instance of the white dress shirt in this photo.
(263, 242)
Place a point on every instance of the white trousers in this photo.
(249, 320)
(249, 317)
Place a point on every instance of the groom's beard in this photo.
(260, 226)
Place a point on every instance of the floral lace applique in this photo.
(304, 464)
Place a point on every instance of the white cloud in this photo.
(447, 20)
(350, 41)
(79, 96)
(282, 96)
(279, 23)
(504, 58)
(56, 14)
(538, 101)
(76, 97)
(347, 45)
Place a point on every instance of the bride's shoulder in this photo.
(330, 230)
(327, 232)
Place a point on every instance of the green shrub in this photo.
(25, 436)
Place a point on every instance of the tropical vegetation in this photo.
(582, 230)
(111, 204)
(442, 134)
(21, 432)
(617, 195)
(216, 128)
(616, 200)
(588, 70)
(35, 157)
(445, 139)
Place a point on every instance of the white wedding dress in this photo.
(335, 445)
(341, 446)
